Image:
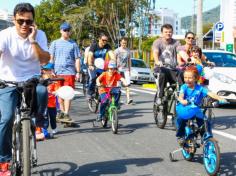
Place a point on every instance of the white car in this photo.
(140, 71)
(222, 78)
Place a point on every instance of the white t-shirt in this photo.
(18, 62)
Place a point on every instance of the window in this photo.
(222, 59)
(138, 63)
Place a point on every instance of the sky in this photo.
(182, 7)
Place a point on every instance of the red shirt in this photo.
(51, 97)
(108, 80)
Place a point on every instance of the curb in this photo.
(149, 86)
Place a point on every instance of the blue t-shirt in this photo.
(194, 95)
(99, 52)
(65, 52)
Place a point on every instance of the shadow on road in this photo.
(224, 122)
(114, 167)
(93, 169)
(227, 163)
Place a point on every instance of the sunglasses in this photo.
(22, 21)
(66, 30)
(190, 38)
(104, 40)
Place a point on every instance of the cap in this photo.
(48, 66)
(65, 26)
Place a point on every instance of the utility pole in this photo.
(199, 23)
(193, 17)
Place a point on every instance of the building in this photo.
(228, 18)
(155, 19)
(163, 16)
(5, 15)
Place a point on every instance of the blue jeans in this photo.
(93, 74)
(105, 101)
(8, 102)
(51, 118)
(181, 124)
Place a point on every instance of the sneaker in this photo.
(129, 101)
(67, 117)
(180, 141)
(54, 131)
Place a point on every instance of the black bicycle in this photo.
(93, 101)
(24, 148)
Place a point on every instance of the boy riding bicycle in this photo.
(108, 79)
(190, 98)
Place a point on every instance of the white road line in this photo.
(131, 93)
(143, 91)
(77, 92)
(227, 135)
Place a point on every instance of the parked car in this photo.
(140, 71)
(222, 77)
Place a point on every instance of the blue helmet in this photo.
(112, 64)
(48, 66)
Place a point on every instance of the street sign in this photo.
(219, 26)
(229, 47)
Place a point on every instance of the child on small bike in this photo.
(108, 79)
(47, 72)
(190, 98)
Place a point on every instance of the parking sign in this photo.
(219, 26)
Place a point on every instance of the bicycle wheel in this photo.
(33, 150)
(93, 105)
(114, 123)
(26, 147)
(211, 156)
(84, 82)
(160, 114)
(16, 159)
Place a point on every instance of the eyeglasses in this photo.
(22, 21)
(190, 38)
(66, 30)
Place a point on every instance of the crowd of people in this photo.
(25, 55)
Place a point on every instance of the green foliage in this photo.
(147, 43)
(49, 17)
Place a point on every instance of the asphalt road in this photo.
(139, 148)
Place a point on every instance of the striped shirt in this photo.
(64, 52)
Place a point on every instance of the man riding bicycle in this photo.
(96, 61)
(22, 49)
(164, 53)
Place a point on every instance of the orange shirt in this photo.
(108, 80)
(51, 97)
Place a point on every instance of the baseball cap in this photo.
(65, 26)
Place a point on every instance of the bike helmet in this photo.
(48, 66)
(112, 64)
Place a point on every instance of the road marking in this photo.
(77, 92)
(143, 91)
(131, 93)
(227, 135)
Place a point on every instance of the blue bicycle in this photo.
(192, 141)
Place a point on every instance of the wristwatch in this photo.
(33, 42)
